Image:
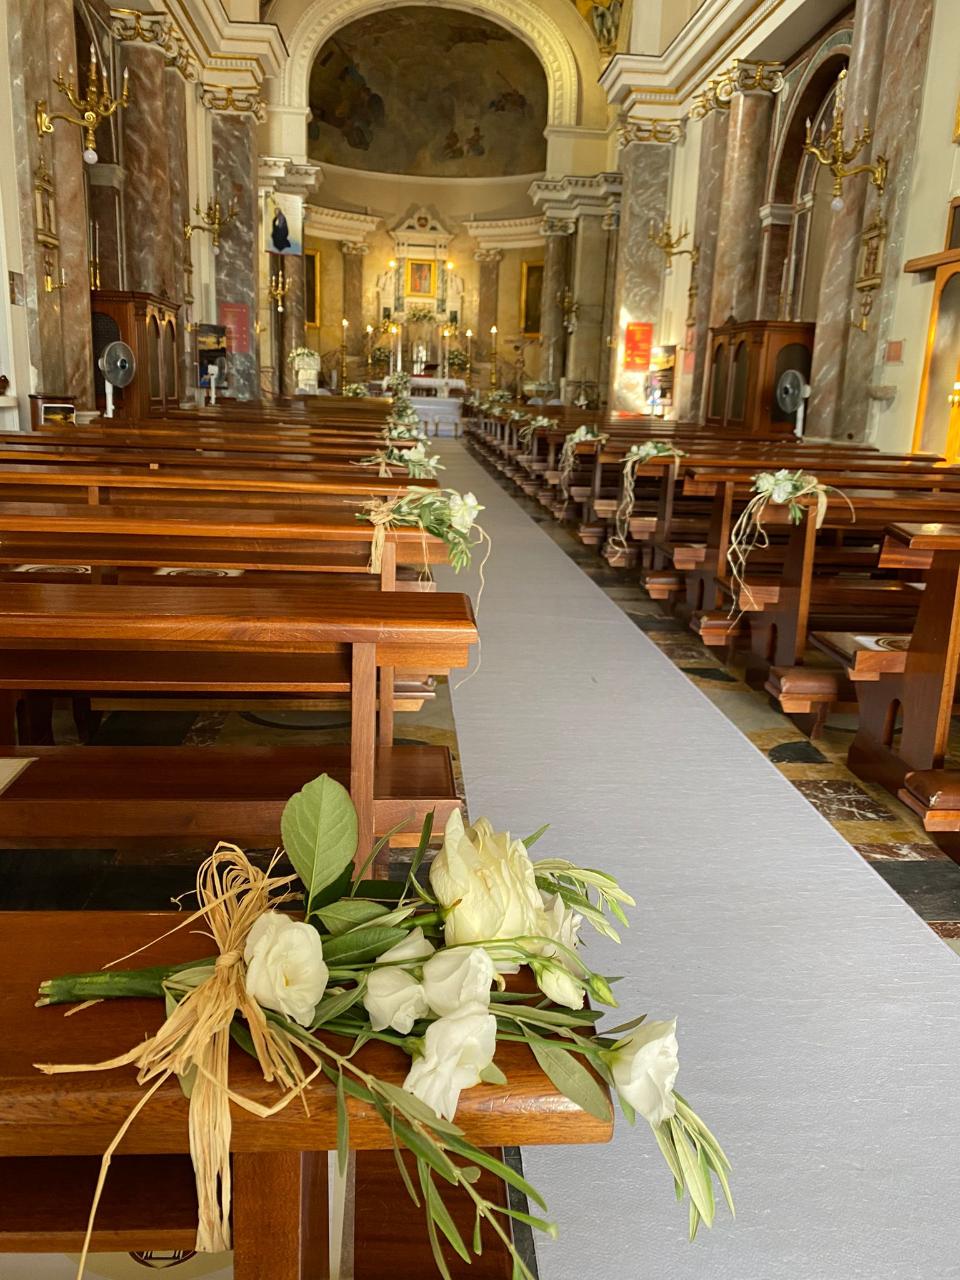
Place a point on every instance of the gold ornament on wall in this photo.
(832, 151)
(873, 244)
(97, 106)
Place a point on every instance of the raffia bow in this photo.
(380, 512)
(194, 1041)
(636, 458)
(568, 457)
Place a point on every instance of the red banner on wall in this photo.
(638, 343)
(235, 318)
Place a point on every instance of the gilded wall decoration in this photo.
(428, 92)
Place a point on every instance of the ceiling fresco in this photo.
(429, 92)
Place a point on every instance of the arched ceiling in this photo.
(429, 92)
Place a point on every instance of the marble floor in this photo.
(880, 828)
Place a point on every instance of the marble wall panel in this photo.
(235, 175)
(713, 148)
(553, 335)
(646, 187)
(354, 256)
(898, 121)
(608, 325)
(840, 263)
(175, 113)
(487, 296)
(146, 162)
(744, 182)
(586, 352)
(291, 323)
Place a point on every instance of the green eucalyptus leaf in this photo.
(338, 917)
(335, 1004)
(571, 1077)
(491, 1074)
(343, 1128)
(503, 1171)
(319, 832)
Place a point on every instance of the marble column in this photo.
(353, 256)
(611, 225)
(235, 176)
(146, 162)
(744, 184)
(30, 80)
(175, 102)
(487, 299)
(713, 150)
(897, 124)
(556, 253)
(646, 170)
(292, 322)
(840, 263)
(106, 187)
(586, 340)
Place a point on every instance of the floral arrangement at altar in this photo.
(415, 461)
(304, 357)
(444, 513)
(417, 315)
(354, 390)
(423, 965)
(399, 383)
(457, 361)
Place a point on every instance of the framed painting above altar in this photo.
(421, 279)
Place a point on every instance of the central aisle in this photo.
(819, 1016)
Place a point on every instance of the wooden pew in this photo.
(165, 793)
(53, 1129)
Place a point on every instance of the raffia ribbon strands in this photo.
(194, 1041)
(625, 509)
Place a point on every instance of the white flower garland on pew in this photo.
(636, 456)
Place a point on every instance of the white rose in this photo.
(464, 510)
(558, 985)
(458, 979)
(455, 1051)
(285, 967)
(394, 998)
(487, 884)
(645, 1070)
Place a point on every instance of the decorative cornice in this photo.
(157, 29)
(488, 255)
(354, 249)
(338, 224)
(281, 173)
(575, 196)
(611, 220)
(233, 102)
(647, 129)
(505, 233)
(558, 227)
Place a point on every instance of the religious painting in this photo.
(531, 298)
(283, 223)
(421, 279)
(603, 17)
(429, 92)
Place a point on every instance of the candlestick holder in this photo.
(213, 219)
(50, 283)
(831, 150)
(97, 106)
(493, 357)
(278, 288)
(664, 239)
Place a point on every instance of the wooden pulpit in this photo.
(747, 360)
(148, 325)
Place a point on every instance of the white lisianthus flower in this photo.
(458, 979)
(562, 923)
(486, 883)
(464, 509)
(394, 998)
(558, 984)
(645, 1070)
(455, 1051)
(414, 947)
(285, 966)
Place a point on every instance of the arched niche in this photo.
(798, 193)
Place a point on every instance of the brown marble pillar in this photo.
(553, 339)
(292, 323)
(487, 299)
(146, 162)
(744, 183)
(353, 256)
(713, 150)
(175, 103)
(840, 263)
(611, 225)
(106, 186)
(71, 202)
(235, 176)
(586, 340)
(30, 80)
(897, 122)
(646, 187)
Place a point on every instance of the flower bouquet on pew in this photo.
(444, 513)
(424, 967)
(417, 463)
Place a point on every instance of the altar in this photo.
(441, 387)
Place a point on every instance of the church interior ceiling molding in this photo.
(427, 92)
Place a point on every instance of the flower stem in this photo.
(109, 983)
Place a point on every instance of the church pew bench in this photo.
(54, 1128)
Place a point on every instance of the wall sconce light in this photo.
(50, 284)
(664, 239)
(96, 107)
(831, 151)
(213, 219)
(953, 399)
(493, 357)
(345, 325)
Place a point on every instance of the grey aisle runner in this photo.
(819, 1016)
